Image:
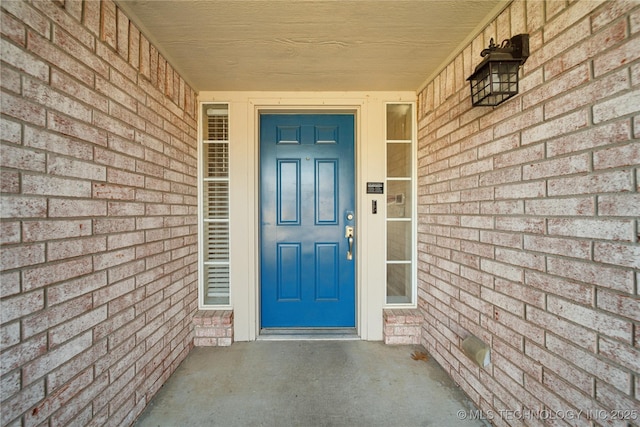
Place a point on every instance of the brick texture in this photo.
(213, 328)
(98, 181)
(402, 326)
(536, 251)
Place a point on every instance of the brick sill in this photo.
(213, 328)
(402, 326)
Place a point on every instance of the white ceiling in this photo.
(309, 45)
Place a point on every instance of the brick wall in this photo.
(98, 182)
(528, 216)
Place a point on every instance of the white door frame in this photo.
(308, 109)
(315, 111)
(244, 111)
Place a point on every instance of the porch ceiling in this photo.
(308, 45)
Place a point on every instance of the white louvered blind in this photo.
(216, 204)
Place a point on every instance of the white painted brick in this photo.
(591, 273)
(43, 94)
(590, 138)
(610, 397)
(23, 353)
(59, 398)
(510, 272)
(557, 364)
(70, 280)
(73, 288)
(21, 402)
(27, 63)
(62, 166)
(587, 94)
(574, 248)
(619, 205)
(76, 326)
(9, 334)
(614, 181)
(503, 301)
(553, 128)
(616, 57)
(520, 258)
(55, 143)
(21, 158)
(573, 291)
(54, 358)
(45, 319)
(552, 246)
(9, 283)
(54, 186)
(624, 354)
(21, 305)
(23, 207)
(623, 155)
(568, 391)
(21, 109)
(62, 208)
(523, 190)
(604, 229)
(34, 231)
(18, 256)
(610, 374)
(617, 254)
(623, 305)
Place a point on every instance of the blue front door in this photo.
(307, 186)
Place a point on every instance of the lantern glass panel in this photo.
(494, 83)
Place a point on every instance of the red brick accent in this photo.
(529, 215)
(213, 328)
(402, 326)
(98, 184)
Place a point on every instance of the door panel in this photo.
(307, 186)
(326, 193)
(289, 274)
(288, 192)
(327, 279)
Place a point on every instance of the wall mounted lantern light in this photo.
(495, 79)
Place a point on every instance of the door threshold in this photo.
(308, 334)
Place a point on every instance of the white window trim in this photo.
(201, 220)
(414, 208)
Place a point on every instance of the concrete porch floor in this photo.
(308, 383)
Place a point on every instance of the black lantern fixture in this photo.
(495, 79)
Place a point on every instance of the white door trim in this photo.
(308, 109)
(369, 111)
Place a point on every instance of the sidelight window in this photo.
(214, 265)
(400, 222)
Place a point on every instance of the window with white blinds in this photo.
(215, 204)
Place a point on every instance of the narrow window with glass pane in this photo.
(400, 211)
(215, 204)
